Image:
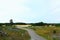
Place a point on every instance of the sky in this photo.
(30, 11)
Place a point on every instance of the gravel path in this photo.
(33, 35)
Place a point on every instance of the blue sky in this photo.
(30, 11)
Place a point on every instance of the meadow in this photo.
(50, 33)
(13, 33)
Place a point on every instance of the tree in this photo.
(38, 24)
(11, 21)
(41, 23)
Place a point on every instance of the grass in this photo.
(13, 33)
(47, 32)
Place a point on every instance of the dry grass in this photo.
(47, 32)
(14, 34)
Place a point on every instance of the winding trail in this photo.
(33, 35)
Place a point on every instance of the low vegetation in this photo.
(12, 33)
(50, 33)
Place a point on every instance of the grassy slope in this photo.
(14, 34)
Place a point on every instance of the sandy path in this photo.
(33, 35)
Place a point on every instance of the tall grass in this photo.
(14, 33)
(47, 32)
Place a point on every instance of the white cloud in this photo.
(13, 9)
(13, 6)
(55, 6)
(55, 3)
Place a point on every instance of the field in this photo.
(12, 33)
(50, 33)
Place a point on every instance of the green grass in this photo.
(14, 33)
